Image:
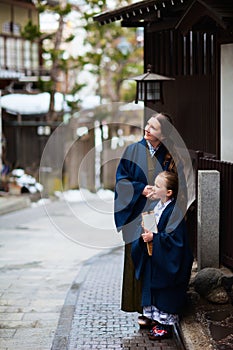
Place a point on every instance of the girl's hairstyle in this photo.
(171, 181)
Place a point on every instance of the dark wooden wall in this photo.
(193, 97)
(226, 207)
(24, 146)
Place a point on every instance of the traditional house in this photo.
(20, 58)
(20, 69)
(192, 42)
(25, 125)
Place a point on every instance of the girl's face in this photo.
(153, 131)
(160, 189)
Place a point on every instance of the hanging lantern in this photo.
(149, 86)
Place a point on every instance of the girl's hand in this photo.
(147, 236)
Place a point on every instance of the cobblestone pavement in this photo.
(98, 322)
(37, 267)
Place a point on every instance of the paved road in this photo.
(98, 322)
(60, 281)
(38, 263)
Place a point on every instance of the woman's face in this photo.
(153, 131)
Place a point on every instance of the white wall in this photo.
(227, 102)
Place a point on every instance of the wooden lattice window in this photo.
(11, 28)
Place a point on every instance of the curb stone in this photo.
(13, 203)
(61, 337)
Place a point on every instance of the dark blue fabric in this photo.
(131, 179)
(166, 274)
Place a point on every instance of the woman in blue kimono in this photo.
(165, 274)
(135, 175)
(138, 166)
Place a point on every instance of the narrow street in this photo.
(60, 281)
(39, 260)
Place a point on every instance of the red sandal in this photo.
(160, 331)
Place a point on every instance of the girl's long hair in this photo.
(171, 180)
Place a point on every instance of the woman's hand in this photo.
(147, 191)
(147, 236)
(151, 194)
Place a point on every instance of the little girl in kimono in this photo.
(165, 274)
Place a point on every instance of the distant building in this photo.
(20, 69)
(20, 58)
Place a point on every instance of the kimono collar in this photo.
(152, 149)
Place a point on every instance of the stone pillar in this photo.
(208, 218)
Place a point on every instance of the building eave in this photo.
(139, 11)
(166, 14)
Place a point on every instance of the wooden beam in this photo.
(193, 14)
(132, 24)
(164, 24)
(24, 4)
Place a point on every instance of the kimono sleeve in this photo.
(172, 258)
(130, 182)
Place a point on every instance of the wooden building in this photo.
(191, 41)
(20, 58)
(20, 68)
